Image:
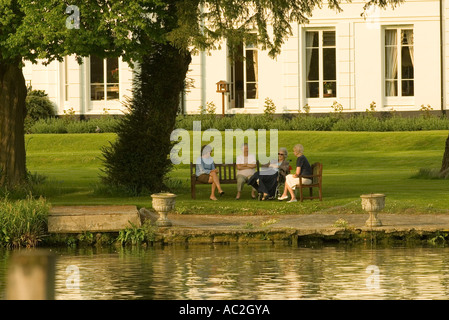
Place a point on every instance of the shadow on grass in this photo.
(431, 173)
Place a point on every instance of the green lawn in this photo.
(354, 163)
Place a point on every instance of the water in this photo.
(244, 272)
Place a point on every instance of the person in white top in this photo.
(246, 167)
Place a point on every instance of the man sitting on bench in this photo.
(246, 167)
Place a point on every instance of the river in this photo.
(268, 272)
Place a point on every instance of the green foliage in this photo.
(137, 160)
(341, 223)
(269, 108)
(70, 115)
(86, 238)
(248, 225)
(337, 109)
(367, 121)
(438, 238)
(426, 111)
(38, 105)
(134, 235)
(208, 112)
(334, 121)
(23, 223)
(372, 108)
(62, 125)
(306, 109)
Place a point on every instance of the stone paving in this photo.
(401, 222)
(290, 227)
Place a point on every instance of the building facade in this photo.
(396, 58)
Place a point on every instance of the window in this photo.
(244, 75)
(321, 70)
(399, 63)
(104, 77)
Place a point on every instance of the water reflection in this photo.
(249, 272)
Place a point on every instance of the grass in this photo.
(354, 163)
(22, 222)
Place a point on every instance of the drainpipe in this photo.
(203, 65)
(443, 111)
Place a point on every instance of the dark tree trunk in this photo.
(12, 114)
(138, 160)
(445, 163)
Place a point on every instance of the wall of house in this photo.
(52, 79)
(360, 61)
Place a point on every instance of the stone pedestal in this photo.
(373, 203)
(163, 203)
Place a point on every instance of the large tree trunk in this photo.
(445, 163)
(12, 114)
(138, 160)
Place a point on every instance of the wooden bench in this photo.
(227, 173)
(317, 178)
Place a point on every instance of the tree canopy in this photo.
(37, 29)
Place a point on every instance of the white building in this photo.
(397, 58)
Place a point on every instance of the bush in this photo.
(52, 125)
(300, 122)
(38, 105)
(305, 122)
(61, 125)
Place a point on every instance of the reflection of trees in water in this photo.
(4, 257)
(414, 273)
(111, 273)
(444, 272)
(251, 272)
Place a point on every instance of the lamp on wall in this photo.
(223, 88)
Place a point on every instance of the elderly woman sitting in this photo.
(206, 172)
(266, 180)
(303, 168)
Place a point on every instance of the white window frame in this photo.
(105, 84)
(398, 100)
(248, 103)
(320, 101)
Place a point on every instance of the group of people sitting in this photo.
(265, 181)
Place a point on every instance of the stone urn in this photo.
(163, 203)
(373, 203)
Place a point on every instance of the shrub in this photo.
(61, 125)
(38, 105)
(52, 125)
(269, 108)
